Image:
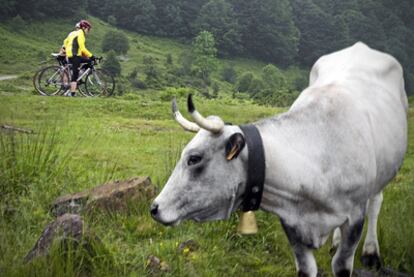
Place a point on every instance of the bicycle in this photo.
(54, 80)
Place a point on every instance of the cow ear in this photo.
(234, 146)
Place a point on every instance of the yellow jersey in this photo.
(75, 45)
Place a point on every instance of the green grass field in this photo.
(92, 141)
(107, 139)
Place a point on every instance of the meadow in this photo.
(96, 140)
(78, 143)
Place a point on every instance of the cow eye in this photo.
(194, 159)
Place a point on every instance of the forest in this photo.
(284, 32)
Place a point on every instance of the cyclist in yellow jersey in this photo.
(76, 51)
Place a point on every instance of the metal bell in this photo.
(247, 224)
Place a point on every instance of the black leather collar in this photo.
(255, 168)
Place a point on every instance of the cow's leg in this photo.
(370, 252)
(304, 259)
(343, 261)
(336, 239)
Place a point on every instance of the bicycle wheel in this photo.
(35, 81)
(51, 80)
(82, 87)
(100, 83)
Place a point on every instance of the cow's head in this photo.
(210, 177)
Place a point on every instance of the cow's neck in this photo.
(255, 168)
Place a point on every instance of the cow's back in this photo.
(368, 87)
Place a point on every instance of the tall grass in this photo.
(27, 161)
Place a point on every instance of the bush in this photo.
(169, 59)
(229, 74)
(170, 93)
(151, 71)
(278, 98)
(273, 77)
(111, 20)
(115, 40)
(243, 84)
(112, 64)
(18, 24)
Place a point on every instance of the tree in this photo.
(115, 40)
(205, 52)
(273, 77)
(112, 64)
(320, 32)
(218, 17)
(268, 30)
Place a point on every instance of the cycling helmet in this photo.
(84, 24)
(77, 26)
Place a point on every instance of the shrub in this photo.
(112, 64)
(229, 74)
(151, 70)
(18, 23)
(169, 59)
(115, 40)
(169, 93)
(111, 20)
(243, 84)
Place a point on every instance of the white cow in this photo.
(327, 159)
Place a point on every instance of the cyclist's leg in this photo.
(75, 61)
(65, 77)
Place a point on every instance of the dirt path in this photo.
(7, 77)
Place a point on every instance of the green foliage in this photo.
(279, 97)
(151, 71)
(229, 74)
(39, 9)
(218, 17)
(170, 93)
(111, 63)
(269, 32)
(115, 40)
(204, 49)
(169, 59)
(111, 20)
(18, 23)
(273, 77)
(28, 160)
(244, 81)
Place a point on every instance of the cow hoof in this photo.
(371, 261)
(343, 273)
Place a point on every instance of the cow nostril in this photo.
(154, 209)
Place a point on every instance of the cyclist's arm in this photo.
(82, 47)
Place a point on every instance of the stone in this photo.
(71, 203)
(155, 265)
(113, 196)
(188, 246)
(67, 226)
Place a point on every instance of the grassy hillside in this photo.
(23, 48)
(92, 141)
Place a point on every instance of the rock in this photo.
(154, 265)
(111, 196)
(116, 195)
(72, 203)
(188, 246)
(67, 226)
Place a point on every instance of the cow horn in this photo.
(212, 125)
(186, 124)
